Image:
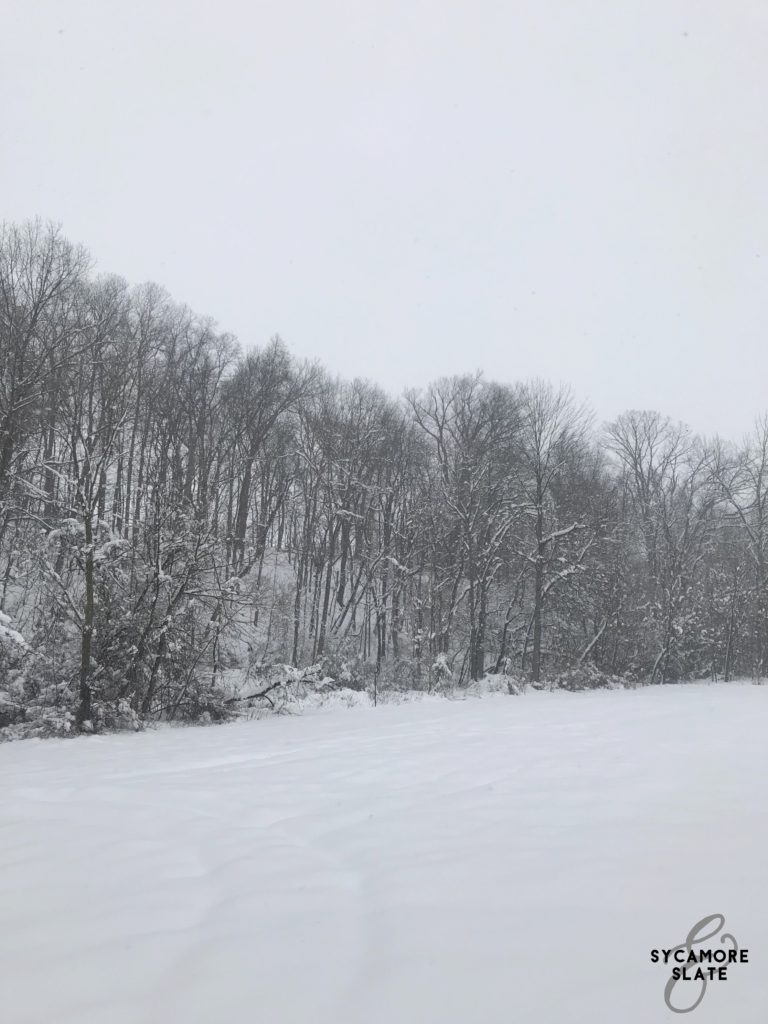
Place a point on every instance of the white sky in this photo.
(575, 189)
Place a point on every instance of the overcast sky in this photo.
(573, 189)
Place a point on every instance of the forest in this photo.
(186, 525)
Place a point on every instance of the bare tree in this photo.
(552, 434)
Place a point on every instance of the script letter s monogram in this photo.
(695, 939)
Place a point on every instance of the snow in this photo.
(9, 635)
(443, 862)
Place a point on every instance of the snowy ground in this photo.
(510, 859)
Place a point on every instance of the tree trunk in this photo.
(84, 709)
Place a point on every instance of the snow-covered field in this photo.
(489, 860)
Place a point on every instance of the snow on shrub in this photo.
(12, 643)
(276, 687)
(588, 677)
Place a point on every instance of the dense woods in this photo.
(182, 521)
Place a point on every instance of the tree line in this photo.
(176, 514)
